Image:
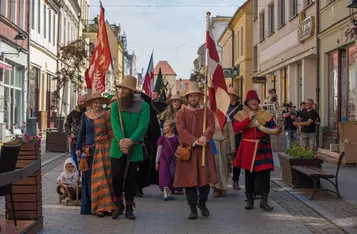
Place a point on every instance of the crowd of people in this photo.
(124, 143)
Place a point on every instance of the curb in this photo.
(330, 217)
(44, 163)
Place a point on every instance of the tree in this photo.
(72, 58)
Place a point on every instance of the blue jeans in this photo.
(290, 137)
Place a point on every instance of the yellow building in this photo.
(236, 42)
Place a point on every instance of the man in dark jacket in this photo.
(73, 123)
(233, 109)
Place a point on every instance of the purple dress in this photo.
(167, 161)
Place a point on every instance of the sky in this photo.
(174, 29)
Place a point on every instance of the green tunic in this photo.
(135, 123)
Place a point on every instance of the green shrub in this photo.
(297, 151)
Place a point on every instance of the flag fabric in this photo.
(159, 86)
(101, 58)
(148, 85)
(217, 88)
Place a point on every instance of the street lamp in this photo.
(18, 37)
(353, 10)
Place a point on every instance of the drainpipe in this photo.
(28, 63)
(232, 30)
(318, 68)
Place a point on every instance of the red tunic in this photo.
(248, 146)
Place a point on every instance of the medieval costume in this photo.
(254, 154)
(95, 137)
(170, 112)
(129, 127)
(233, 109)
(225, 144)
(189, 173)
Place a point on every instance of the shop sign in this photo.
(259, 79)
(306, 28)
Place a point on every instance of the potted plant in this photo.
(297, 155)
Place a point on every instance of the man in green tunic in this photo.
(126, 150)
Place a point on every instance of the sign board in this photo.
(259, 79)
(306, 28)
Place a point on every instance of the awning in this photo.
(5, 66)
(259, 79)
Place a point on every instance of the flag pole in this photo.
(208, 19)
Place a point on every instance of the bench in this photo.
(316, 173)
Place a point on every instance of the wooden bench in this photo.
(316, 173)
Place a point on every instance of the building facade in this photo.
(14, 64)
(337, 68)
(169, 76)
(236, 41)
(284, 49)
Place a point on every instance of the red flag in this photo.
(217, 88)
(148, 85)
(101, 58)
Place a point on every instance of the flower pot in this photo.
(292, 177)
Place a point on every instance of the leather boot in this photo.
(119, 209)
(264, 203)
(202, 206)
(250, 201)
(129, 214)
(193, 214)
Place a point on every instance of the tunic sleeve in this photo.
(238, 126)
(114, 114)
(160, 140)
(186, 137)
(82, 132)
(210, 126)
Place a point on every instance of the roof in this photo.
(166, 69)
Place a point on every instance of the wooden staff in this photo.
(208, 16)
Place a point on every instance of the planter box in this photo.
(56, 141)
(294, 178)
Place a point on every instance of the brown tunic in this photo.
(190, 173)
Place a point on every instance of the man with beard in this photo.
(234, 107)
(73, 123)
(254, 154)
(129, 127)
(190, 173)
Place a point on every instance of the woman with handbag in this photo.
(165, 159)
(94, 141)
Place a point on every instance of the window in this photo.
(69, 32)
(281, 12)
(33, 14)
(49, 25)
(54, 30)
(22, 14)
(293, 8)
(44, 21)
(255, 9)
(39, 16)
(271, 27)
(238, 38)
(284, 85)
(255, 58)
(308, 3)
(262, 26)
(332, 90)
(3, 7)
(241, 41)
(351, 84)
(13, 11)
(64, 31)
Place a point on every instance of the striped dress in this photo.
(96, 183)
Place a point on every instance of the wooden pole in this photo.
(208, 19)
(118, 102)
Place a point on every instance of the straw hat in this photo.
(129, 82)
(191, 88)
(233, 91)
(173, 98)
(96, 96)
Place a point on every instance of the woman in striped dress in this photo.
(94, 140)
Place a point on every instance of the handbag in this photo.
(83, 164)
(183, 153)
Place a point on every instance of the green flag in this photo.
(159, 85)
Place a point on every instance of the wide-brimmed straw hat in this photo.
(173, 98)
(191, 88)
(96, 96)
(128, 82)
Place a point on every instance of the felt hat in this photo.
(173, 98)
(128, 82)
(251, 94)
(233, 91)
(191, 88)
(96, 96)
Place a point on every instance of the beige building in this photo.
(169, 76)
(337, 68)
(284, 49)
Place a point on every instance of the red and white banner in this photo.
(148, 85)
(101, 58)
(217, 88)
